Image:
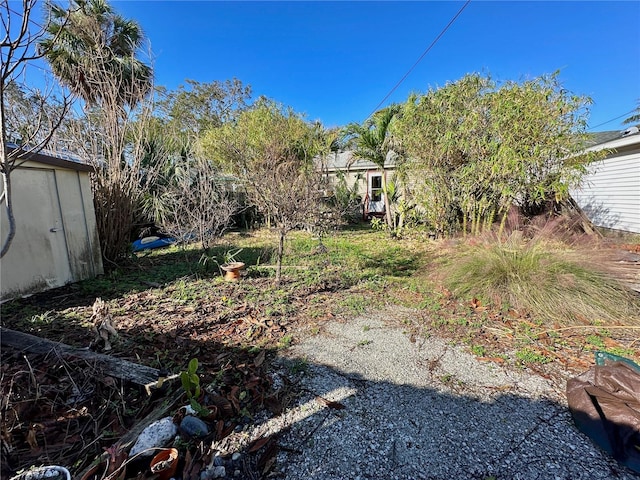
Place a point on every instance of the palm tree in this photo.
(92, 50)
(89, 45)
(634, 119)
(373, 142)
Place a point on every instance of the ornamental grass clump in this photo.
(544, 279)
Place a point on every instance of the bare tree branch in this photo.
(18, 48)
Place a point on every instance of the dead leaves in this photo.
(330, 404)
(259, 360)
(31, 436)
(258, 444)
(273, 404)
(477, 306)
(268, 457)
(491, 359)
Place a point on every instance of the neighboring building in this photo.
(56, 240)
(367, 175)
(610, 193)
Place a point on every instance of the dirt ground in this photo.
(68, 411)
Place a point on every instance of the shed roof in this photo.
(54, 161)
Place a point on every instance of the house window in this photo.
(376, 188)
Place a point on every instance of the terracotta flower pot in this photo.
(232, 271)
(165, 463)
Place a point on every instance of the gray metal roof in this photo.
(347, 161)
(596, 138)
(54, 160)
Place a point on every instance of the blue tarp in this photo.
(149, 243)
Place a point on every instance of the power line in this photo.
(609, 121)
(421, 56)
(29, 19)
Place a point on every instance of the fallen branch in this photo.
(114, 367)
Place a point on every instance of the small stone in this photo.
(194, 427)
(218, 461)
(237, 473)
(236, 456)
(158, 434)
(219, 472)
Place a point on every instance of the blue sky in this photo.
(335, 61)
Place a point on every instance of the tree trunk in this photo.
(8, 201)
(112, 366)
(6, 177)
(387, 206)
(280, 254)
(400, 224)
(503, 222)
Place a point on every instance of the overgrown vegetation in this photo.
(478, 148)
(466, 154)
(271, 150)
(535, 286)
(547, 281)
(169, 309)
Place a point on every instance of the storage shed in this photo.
(610, 193)
(56, 240)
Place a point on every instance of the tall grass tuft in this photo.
(549, 282)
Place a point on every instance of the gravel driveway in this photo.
(422, 410)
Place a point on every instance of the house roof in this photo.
(347, 161)
(625, 140)
(54, 161)
(596, 138)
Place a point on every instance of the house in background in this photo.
(367, 175)
(56, 240)
(610, 192)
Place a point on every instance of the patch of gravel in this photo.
(423, 410)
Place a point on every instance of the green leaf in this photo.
(186, 384)
(193, 365)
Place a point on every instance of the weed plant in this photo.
(535, 276)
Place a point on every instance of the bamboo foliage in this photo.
(476, 148)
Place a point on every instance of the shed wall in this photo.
(56, 239)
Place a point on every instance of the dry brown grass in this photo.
(555, 284)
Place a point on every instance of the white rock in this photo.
(158, 434)
(219, 472)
